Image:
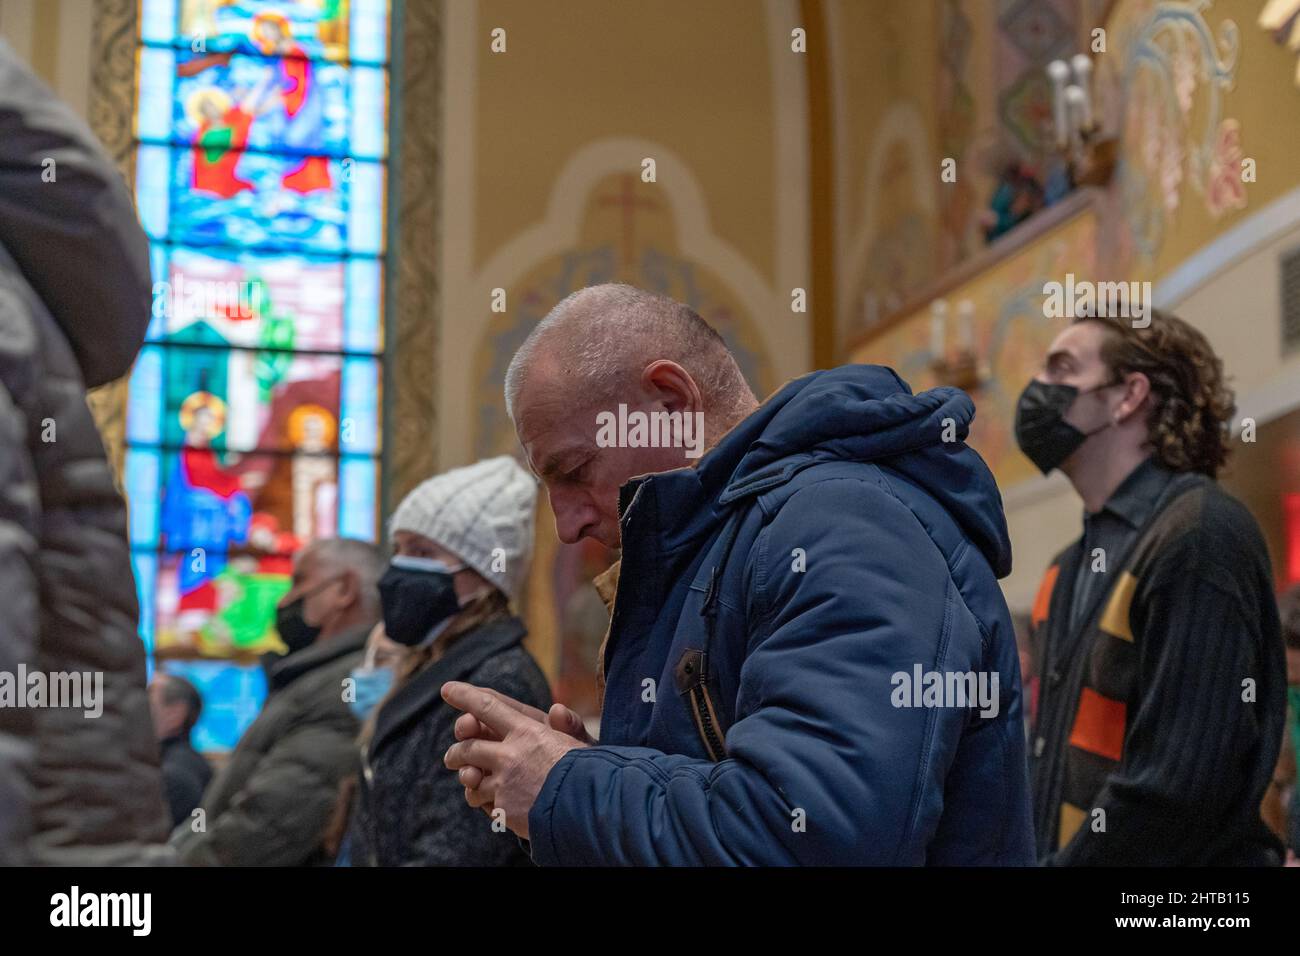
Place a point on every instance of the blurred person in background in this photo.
(1286, 783)
(462, 542)
(176, 705)
(1163, 678)
(75, 301)
(272, 802)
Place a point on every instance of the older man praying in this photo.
(834, 536)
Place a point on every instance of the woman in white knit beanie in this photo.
(477, 523)
(461, 545)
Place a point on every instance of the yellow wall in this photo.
(883, 69)
(693, 76)
(54, 37)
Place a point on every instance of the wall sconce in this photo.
(962, 368)
(1090, 156)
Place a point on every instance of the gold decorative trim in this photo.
(111, 114)
(411, 426)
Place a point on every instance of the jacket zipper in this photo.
(704, 709)
(703, 704)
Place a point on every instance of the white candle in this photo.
(1082, 66)
(1058, 72)
(938, 327)
(966, 325)
(1076, 103)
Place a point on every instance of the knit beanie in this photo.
(483, 513)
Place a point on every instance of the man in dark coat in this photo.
(176, 705)
(810, 660)
(271, 804)
(1164, 693)
(75, 294)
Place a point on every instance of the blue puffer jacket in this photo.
(831, 541)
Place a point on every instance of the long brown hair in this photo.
(1191, 404)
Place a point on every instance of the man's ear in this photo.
(672, 385)
(1137, 389)
(351, 584)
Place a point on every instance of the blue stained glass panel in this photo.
(366, 219)
(357, 500)
(144, 400)
(359, 414)
(142, 486)
(370, 30)
(369, 138)
(146, 570)
(154, 106)
(153, 188)
(363, 328)
(157, 21)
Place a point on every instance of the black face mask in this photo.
(417, 595)
(1042, 432)
(292, 626)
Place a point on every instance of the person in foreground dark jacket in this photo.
(810, 660)
(271, 804)
(452, 607)
(176, 706)
(75, 297)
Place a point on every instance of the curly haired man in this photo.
(1163, 691)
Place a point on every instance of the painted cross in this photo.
(628, 201)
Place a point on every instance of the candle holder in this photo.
(1088, 155)
(960, 370)
(1093, 158)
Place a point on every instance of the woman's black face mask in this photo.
(1042, 432)
(417, 594)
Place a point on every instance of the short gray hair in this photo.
(605, 334)
(353, 554)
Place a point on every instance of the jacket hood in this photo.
(67, 220)
(867, 413)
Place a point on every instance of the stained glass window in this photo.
(253, 417)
